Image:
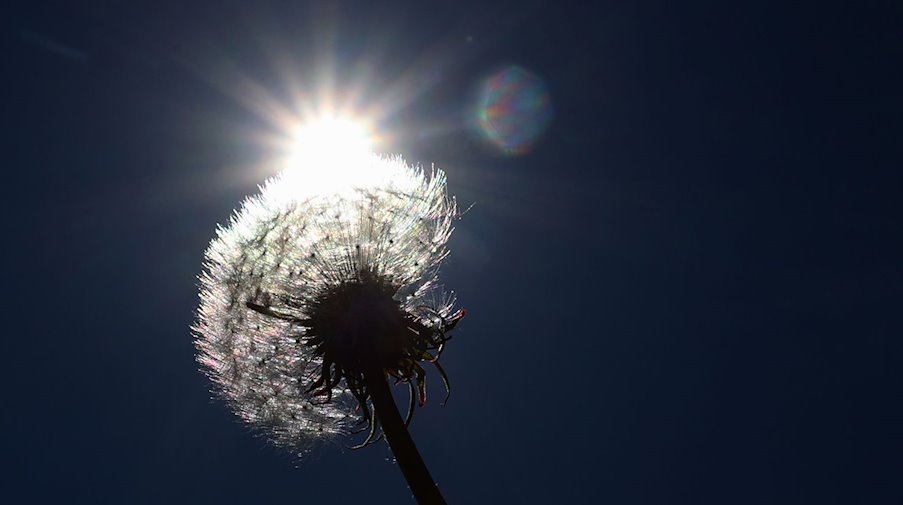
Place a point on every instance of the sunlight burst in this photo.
(330, 141)
(330, 155)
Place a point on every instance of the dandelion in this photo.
(322, 287)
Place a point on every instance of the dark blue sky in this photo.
(688, 291)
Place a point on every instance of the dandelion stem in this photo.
(406, 454)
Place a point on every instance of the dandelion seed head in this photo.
(321, 250)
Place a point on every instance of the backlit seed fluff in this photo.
(274, 277)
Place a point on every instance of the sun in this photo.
(329, 141)
(331, 155)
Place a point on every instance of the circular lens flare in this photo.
(513, 109)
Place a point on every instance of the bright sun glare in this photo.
(330, 155)
(330, 141)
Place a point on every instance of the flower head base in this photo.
(312, 286)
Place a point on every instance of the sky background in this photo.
(686, 289)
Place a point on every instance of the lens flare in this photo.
(513, 109)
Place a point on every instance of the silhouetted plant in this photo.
(320, 288)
